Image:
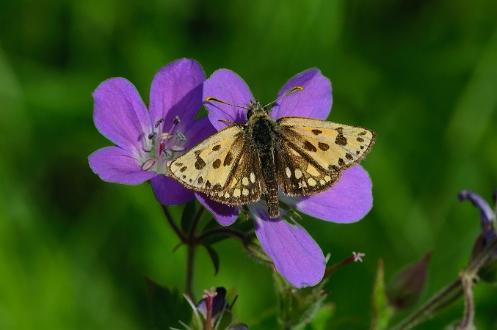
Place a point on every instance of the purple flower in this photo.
(487, 215)
(294, 253)
(146, 140)
(487, 237)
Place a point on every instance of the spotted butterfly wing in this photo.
(311, 153)
(222, 167)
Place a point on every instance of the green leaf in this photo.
(166, 307)
(187, 216)
(382, 312)
(214, 257)
(323, 317)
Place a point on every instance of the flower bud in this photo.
(404, 289)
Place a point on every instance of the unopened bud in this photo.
(406, 286)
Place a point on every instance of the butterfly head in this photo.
(256, 109)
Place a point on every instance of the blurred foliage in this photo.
(74, 251)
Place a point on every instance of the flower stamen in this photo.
(148, 164)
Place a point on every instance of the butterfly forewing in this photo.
(331, 147)
(207, 166)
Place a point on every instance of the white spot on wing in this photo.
(252, 177)
(298, 174)
(288, 172)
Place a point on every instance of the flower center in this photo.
(165, 143)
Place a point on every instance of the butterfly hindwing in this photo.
(331, 146)
(207, 166)
(245, 184)
(298, 175)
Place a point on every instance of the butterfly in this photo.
(244, 163)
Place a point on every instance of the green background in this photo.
(74, 250)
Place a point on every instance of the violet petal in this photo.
(229, 87)
(198, 131)
(349, 200)
(177, 91)
(169, 192)
(120, 114)
(314, 101)
(487, 215)
(296, 256)
(225, 215)
(113, 164)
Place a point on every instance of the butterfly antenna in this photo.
(213, 99)
(287, 93)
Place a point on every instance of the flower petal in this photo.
(120, 114)
(313, 101)
(169, 192)
(198, 131)
(113, 164)
(487, 215)
(224, 214)
(177, 91)
(296, 256)
(349, 200)
(229, 87)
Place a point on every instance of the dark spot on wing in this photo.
(340, 139)
(228, 159)
(207, 184)
(199, 164)
(217, 186)
(360, 139)
(183, 169)
(200, 180)
(216, 163)
(349, 156)
(341, 162)
(323, 146)
(216, 147)
(309, 146)
(333, 167)
(317, 131)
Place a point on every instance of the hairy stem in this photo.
(426, 311)
(467, 321)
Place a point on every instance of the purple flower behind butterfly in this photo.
(295, 254)
(146, 140)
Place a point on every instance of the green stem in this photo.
(452, 292)
(190, 268)
(228, 231)
(173, 225)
